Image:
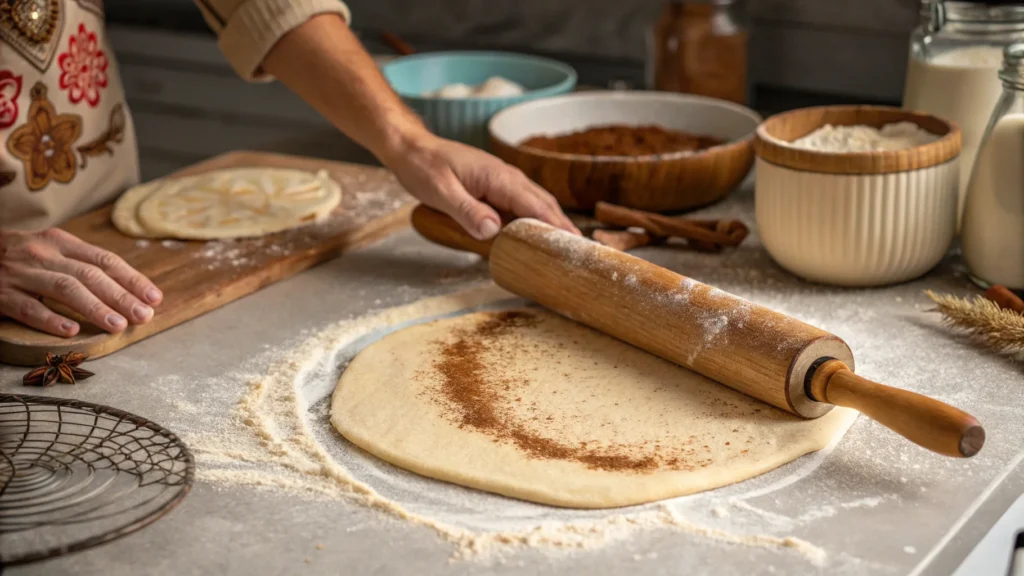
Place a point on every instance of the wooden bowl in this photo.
(856, 218)
(661, 182)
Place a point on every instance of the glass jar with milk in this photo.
(993, 224)
(955, 54)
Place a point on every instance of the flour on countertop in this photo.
(869, 465)
(280, 438)
(860, 138)
(825, 511)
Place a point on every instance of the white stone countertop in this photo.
(876, 504)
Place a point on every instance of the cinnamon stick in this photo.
(625, 240)
(701, 234)
(1005, 298)
(720, 227)
(397, 44)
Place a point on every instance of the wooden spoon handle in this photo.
(924, 421)
(439, 228)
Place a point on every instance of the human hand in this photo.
(91, 281)
(468, 184)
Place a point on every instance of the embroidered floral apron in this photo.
(68, 141)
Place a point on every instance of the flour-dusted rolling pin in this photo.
(747, 347)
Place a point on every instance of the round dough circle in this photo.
(238, 203)
(124, 215)
(573, 417)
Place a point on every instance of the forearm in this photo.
(325, 64)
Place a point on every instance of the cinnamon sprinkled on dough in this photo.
(475, 399)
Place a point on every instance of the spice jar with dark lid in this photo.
(700, 47)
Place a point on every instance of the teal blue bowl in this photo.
(465, 119)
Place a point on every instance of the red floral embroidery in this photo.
(10, 89)
(83, 68)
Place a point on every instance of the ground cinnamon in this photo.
(476, 398)
(618, 140)
(700, 48)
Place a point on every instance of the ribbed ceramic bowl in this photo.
(859, 218)
(465, 119)
(658, 182)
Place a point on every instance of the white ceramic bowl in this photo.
(856, 219)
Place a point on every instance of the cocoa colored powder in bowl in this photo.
(617, 140)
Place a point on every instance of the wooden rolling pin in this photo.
(750, 348)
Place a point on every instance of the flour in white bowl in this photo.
(860, 138)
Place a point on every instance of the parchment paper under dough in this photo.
(574, 385)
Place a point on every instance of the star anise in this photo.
(59, 367)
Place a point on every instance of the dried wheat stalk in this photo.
(999, 328)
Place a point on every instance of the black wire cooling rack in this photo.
(74, 475)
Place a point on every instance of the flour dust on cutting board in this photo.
(366, 195)
(279, 438)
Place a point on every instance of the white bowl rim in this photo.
(625, 95)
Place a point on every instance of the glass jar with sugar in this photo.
(993, 224)
(952, 71)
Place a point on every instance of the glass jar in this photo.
(700, 47)
(993, 225)
(955, 54)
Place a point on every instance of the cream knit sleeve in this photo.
(248, 29)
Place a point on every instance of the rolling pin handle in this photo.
(924, 421)
(439, 228)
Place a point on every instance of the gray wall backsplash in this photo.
(854, 48)
(848, 47)
(189, 105)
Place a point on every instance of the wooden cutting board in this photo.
(197, 277)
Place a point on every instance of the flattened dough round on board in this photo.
(230, 203)
(572, 417)
(125, 213)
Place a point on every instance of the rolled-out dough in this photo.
(229, 203)
(557, 413)
(127, 207)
